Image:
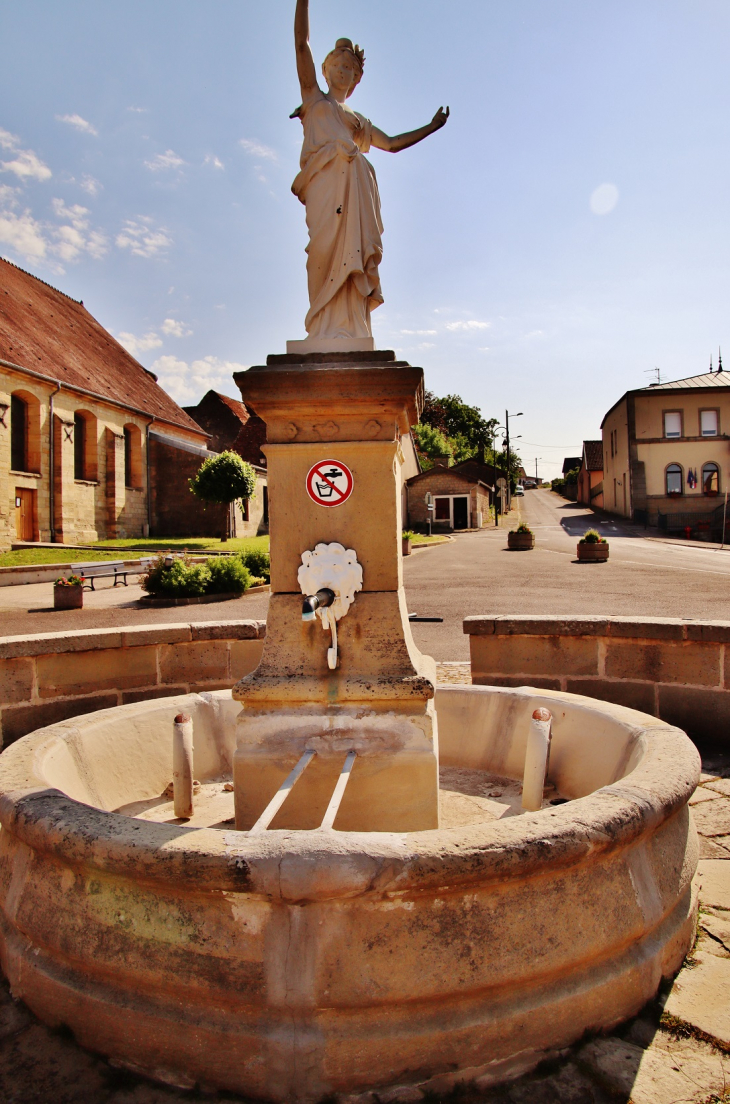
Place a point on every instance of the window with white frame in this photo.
(672, 423)
(708, 423)
(674, 479)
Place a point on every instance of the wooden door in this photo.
(24, 502)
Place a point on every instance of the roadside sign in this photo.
(329, 483)
(429, 499)
(502, 483)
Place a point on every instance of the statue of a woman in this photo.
(337, 185)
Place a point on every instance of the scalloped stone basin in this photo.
(297, 964)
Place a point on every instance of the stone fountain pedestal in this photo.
(352, 408)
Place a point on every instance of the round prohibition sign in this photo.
(329, 483)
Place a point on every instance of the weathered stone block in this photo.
(703, 714)
(513, 655)
(155, 634)
(634, 695)
(84, 672)
(201, 661)
(657, 628)
(716, 631)
(228, 630)
(19, 720)
(81, 640)
(517, 680)
(152, 692)
(693, 663)
(16, 680)
(550, 626)
(245, 656)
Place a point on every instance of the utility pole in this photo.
(536, 460)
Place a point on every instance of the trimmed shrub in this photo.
(182, 579)
(522, 529)
(592, 536)
(227, 575)
(258, 562)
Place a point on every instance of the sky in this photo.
(561, 239)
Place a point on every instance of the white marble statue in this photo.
(337, 185)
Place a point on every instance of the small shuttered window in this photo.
(673, 424)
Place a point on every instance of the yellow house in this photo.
(666, 453)
(76, 416)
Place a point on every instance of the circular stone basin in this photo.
(297, 964)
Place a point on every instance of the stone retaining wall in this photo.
(675, 669)
(48, 677)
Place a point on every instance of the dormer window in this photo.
(708, 423)
(672, 423)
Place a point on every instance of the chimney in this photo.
(441, 462)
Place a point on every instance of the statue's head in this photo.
(343, 66)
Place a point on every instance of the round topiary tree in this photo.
(224, 479)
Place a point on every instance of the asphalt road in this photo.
(472, 574)
(476, 574)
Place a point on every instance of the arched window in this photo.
(25, 432)
(674, 479)
(133, 457)
(710, 479)
(85, 446)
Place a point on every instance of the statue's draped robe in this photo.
(337, 185)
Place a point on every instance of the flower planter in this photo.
(406, 545)
(593, 553)
(68, 597)
(520, 542)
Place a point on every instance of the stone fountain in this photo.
(359, 898)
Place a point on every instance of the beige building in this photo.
(666, 456)
(77, 414)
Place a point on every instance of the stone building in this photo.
(462, 495)
(590, 476)
(78, 420)
(665, 452)
(232, 426)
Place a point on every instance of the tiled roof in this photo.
(43, 330)
(571, 462)
(707, 379)
(593, 455)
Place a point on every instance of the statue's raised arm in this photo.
(337, 185)
(305, 62)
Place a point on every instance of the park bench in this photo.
(108, 569)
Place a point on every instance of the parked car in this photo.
(529, 484)
(519, 489)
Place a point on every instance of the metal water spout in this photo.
(334, 570)
(182, 766)
(312, 602)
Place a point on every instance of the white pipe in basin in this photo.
(182, 765)
(536, 759)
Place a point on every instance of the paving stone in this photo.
(39, 1066)
(686, 1071)
(714, 878)
(711, 849)
(569, 1086)
(721, 786)
(703, 793)
(641, 1031)
(719, 931)
(713, 818)
(699, 996)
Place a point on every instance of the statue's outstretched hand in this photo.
(439, 119)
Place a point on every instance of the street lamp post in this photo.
(509, 486)
(536, 460)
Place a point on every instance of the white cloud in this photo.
(211, 159)
(142, 238)
(138, 110)
(23, 234)
(472, 324)
(188, 383)
(79, 123)
(426, 345)
(163, 161)
(258, 149)
(425, 333)
(91, 185)
(137, 345)
(603, 199)
(172, 328)
(76, 238)
(26, 164)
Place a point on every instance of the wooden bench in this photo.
(108, 569)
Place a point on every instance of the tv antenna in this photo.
(656, 373)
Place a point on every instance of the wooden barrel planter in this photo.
(68, 597)
(593, 553)
(520, 542)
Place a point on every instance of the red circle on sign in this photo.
(329, 483)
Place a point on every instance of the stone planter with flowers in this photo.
(521, 539)
(68, 593)
(592, 547)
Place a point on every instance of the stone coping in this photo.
(655, 628)
(327, 865)
(85, 640)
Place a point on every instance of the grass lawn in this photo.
(423, 538)
(126, 550)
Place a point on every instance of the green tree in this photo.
(463, 426)
(432, 445)
(224, 479)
